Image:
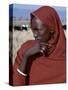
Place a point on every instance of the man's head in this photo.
(40, 31)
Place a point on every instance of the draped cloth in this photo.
(42, 69)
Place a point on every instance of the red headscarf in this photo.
(51, 20)
(52, 69)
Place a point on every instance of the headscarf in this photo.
(51, 20)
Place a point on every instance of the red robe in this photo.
(42, 69)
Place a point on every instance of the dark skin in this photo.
(41, 34)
